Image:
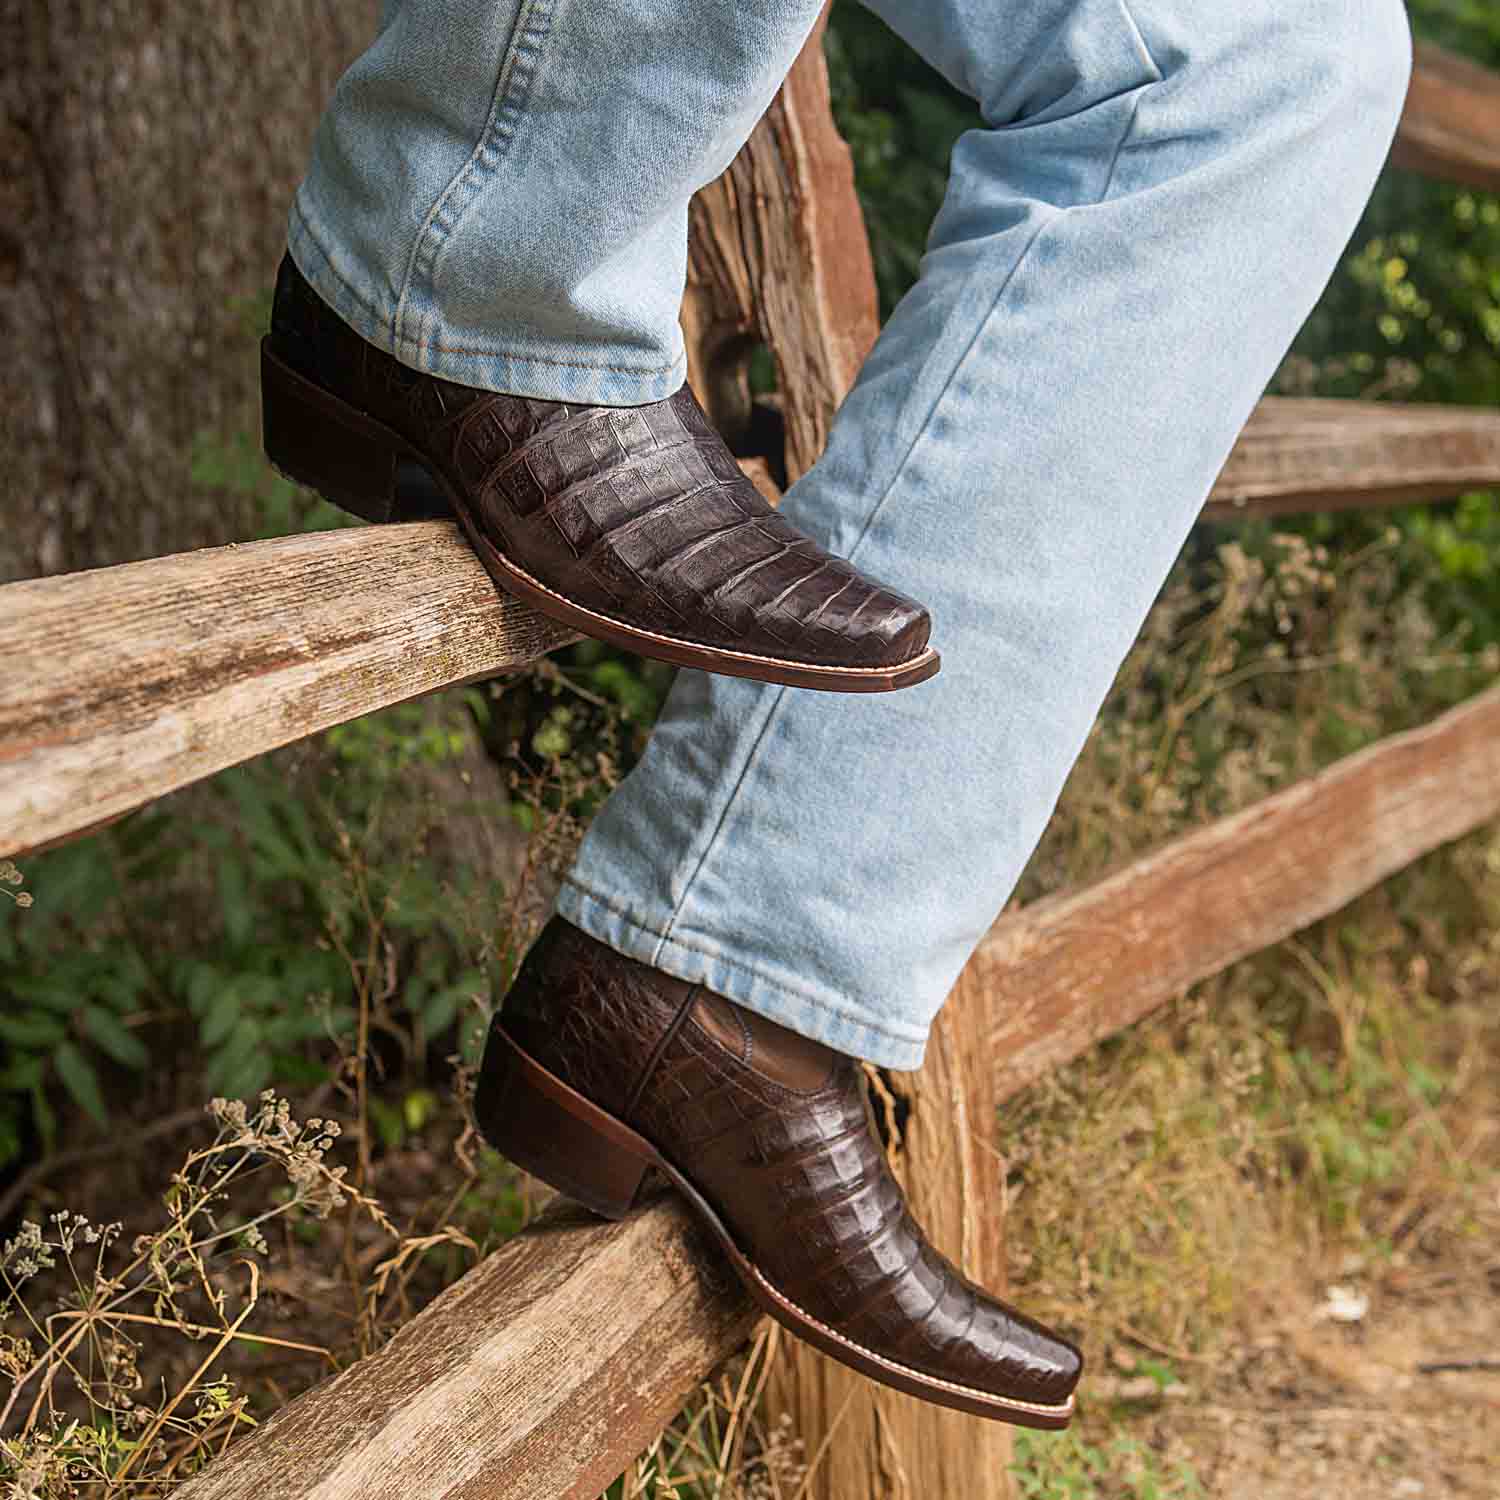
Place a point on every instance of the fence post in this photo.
(941, 1121)
(780, 256)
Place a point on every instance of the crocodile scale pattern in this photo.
(637, 513)
(799, 1176)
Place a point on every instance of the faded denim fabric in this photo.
(499, 189)
(1159, 193)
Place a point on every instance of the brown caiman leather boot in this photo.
(599, 1068)
(631, 524)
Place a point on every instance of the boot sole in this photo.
(549, 1129)
(319, 440)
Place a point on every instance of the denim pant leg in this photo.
(499, 189)
(1123, 255)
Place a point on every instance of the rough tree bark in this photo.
(150, 150)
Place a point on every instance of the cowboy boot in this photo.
(599, 1068)
(631, 524)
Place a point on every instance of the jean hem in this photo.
(572, 373)
(824, 1017)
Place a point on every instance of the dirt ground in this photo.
(1352, 1411)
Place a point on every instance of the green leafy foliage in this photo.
(70, 1006)
(229, 936)
(581, 718)
(256, 999)
(1063, 1466)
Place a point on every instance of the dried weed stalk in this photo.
(75, 1420)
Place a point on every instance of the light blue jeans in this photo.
(1159, 192)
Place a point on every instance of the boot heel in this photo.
(535, 1120)
(319, 441)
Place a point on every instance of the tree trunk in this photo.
(779, 256)
(151, 151)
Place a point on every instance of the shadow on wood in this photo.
(142, 678)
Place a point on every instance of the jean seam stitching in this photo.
(728, 802)
(1146, 53)
(937, 400)
(1140, 39)
(497, 133)
(1051, 221)
(532, 36)
(1114, 161)
(818, 1001)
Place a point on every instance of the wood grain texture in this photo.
(124, 683)
(1071, 969)
(539, 1375)
(1451, 125)
(1300, 453)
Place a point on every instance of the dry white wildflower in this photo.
(26, 1254)
(229, 1112)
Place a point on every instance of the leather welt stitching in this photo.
(1040, 1408)
(682, 640)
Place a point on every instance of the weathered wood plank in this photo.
(1071, 969)
(537, 1376)
(124, 683)
(1451, 125)
(1299, 453)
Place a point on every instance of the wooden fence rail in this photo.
(142, 678)
(146, 677)
(544, 1369)
(537, 1376)
(1074, 968)
(1451, 125)
(1302, 454)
